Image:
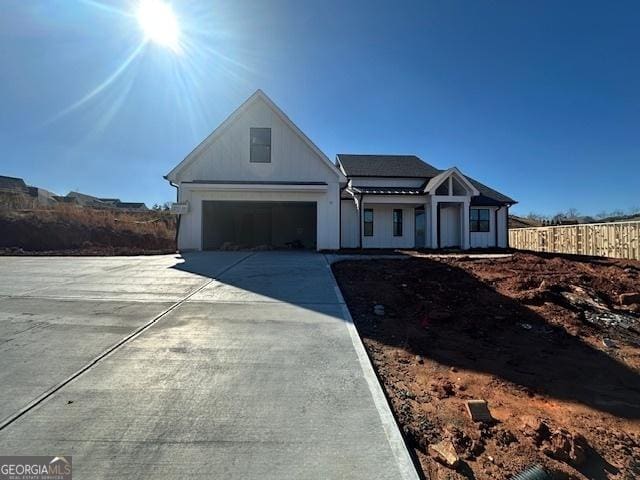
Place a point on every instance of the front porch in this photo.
(435, 214)
(381, 221)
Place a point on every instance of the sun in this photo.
(159, 23)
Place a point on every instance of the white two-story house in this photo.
(258, 181)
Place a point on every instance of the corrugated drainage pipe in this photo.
(536, 472)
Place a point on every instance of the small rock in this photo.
(629, 298)
(635, 307)
(566, 447)
(445, 453)
(443, 390)
(419, 359)
(607, 342)
(535, 428)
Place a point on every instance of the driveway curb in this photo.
(391, 429)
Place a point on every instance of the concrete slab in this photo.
(62, 312)
(257, 375)
(292, 277)
(42, 342)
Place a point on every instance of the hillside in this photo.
(72, 230)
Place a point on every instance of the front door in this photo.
(450, 226)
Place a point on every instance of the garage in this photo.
(257, 224)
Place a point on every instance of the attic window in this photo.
(260, 145)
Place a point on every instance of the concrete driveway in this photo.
(228, 365)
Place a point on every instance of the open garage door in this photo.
(255, 224)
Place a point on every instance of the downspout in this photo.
(179, 215)
(340, 215)
(506, 224)
(496, 225)
(360, 223)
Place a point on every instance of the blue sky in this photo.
(540, 100)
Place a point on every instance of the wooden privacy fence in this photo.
(616, 239)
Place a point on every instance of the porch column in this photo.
(465, 224)
(434, 223)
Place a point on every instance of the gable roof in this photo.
(257, 95)
(436, 181)
(411, 166)
(407, 166)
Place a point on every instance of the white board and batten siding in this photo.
(488, 239)
(382, 227)
(349, 231)
(225, 156)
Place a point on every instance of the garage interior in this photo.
(258, 224)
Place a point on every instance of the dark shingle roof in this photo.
(408, 166)
(488, 192)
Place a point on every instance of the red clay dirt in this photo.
(525, 334)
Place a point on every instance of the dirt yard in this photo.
(70, 230)
(544, 340)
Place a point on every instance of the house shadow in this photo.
(444, 313)
(296, 277)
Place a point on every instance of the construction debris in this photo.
(629, 298)
(479, 411)
(445, 453)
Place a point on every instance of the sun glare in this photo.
(159, 23)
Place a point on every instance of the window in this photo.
(397, 222)
(260, 145)
(368, 222)
(479, 220)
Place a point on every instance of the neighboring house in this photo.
(131, 206)
(16, 187)
(13, 185)
(42, 196)
(109, 203)
(523, 222)
(85, 200)
(258, 180)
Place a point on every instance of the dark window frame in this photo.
(477, 222)
(397, 222)
(255, 133)
(368, 232)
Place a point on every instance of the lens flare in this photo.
(159, 23)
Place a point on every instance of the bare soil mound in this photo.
(83, 231)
